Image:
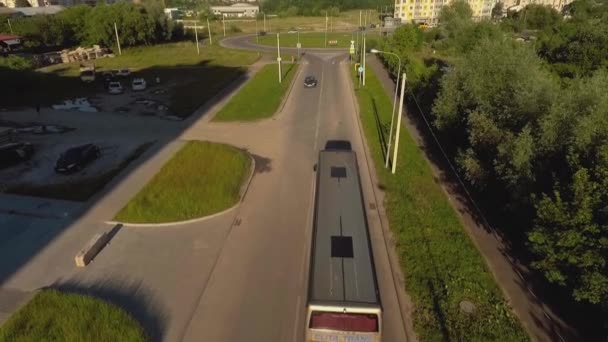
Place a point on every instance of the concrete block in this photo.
(91, 249)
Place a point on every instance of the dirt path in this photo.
(540, 321)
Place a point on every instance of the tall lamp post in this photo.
(279, 58)
(390, 134)
(399, 115)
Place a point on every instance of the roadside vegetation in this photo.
(519, 108)
(441, 265)
(56, 316)
(203, 178)
(261, 96)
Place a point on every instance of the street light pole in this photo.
(117, 39)
(198, 52)
(325, 28)
(209, 31)
(390, 134)
(364, 59)
(279, 58)
(224, 23)
(257, 35)
(264, 22)
(9, 25)
(299, 45)
(399, 115)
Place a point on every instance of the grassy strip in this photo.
(441, 265)
(203, 178)
(80, 190)
(55, 316)
(260, 97)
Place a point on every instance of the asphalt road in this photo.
(257, 289)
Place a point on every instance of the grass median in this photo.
(203, 178)
(442, 266)
(261, 97)
(55, 316)
(310, 39)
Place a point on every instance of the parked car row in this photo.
(115, 87)
(72, 160)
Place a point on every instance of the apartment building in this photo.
(427, 11)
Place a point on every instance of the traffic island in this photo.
(202, 179)
(56, 316)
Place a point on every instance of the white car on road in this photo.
(115, 87)
(138, 84)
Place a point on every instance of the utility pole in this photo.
(399, 115)
(325, 28)
(364, 67)
(117, 39)
(299, 45)
(9, 25)
(224, 23)
(198, 52)
(279, 58)
(209, 31)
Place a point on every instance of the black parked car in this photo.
(76, 158)
(14, 153)
(310, 82)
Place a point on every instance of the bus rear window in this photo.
(344, 321)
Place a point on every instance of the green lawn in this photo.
(260, 97)
(55, 316)
(345, 21)
(203, 178)
(309, 40)
(441, 265)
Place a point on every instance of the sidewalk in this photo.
(541, 323)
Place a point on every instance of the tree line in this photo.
(526, 122)
(84, 25)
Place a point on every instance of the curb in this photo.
(286, 95)
(243, 191)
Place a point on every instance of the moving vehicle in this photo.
(14, 153)
(138, 84)
(115, 87)
(343, 299)
(75, 158)
(310, 82)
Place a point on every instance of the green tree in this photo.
(539, 17)
(493, 99)
(455, 12)
(407, 37)
(571, 237)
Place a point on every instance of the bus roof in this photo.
(342, 265)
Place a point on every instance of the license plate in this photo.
(328, 337)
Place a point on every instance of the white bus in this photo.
(343, 299)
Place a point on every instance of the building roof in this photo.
(342, 266)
